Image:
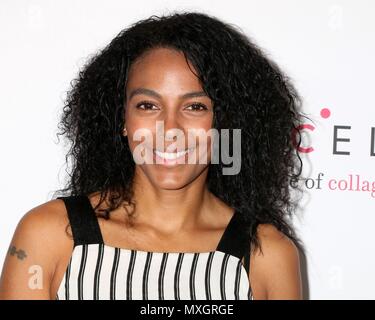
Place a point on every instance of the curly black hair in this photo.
(249, 92)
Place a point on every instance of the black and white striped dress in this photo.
(98, 271)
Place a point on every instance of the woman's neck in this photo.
(173, 210)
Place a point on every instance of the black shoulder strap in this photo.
(83, 221)
(236, 239)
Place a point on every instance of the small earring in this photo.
(125, 132)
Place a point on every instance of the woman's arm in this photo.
(32, 256)
(275, 272)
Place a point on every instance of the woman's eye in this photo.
(197, 107)
(145, 106)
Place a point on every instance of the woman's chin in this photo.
(170, 183)
(173, 178)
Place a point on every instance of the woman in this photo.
(128, 228)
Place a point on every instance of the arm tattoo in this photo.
(19, 253)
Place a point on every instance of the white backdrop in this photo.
(326, 47)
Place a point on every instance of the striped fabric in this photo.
(98, 271)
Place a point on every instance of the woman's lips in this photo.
(171, 158)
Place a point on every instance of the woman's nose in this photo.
(169, 127)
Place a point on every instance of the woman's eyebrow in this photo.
(153, 93)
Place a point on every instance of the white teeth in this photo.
(171, 155)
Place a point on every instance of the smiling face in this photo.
(162, 87)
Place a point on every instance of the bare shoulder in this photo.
(276, 265)
(50, 214)
(37, 244)
(45, 223)
(274, 242)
